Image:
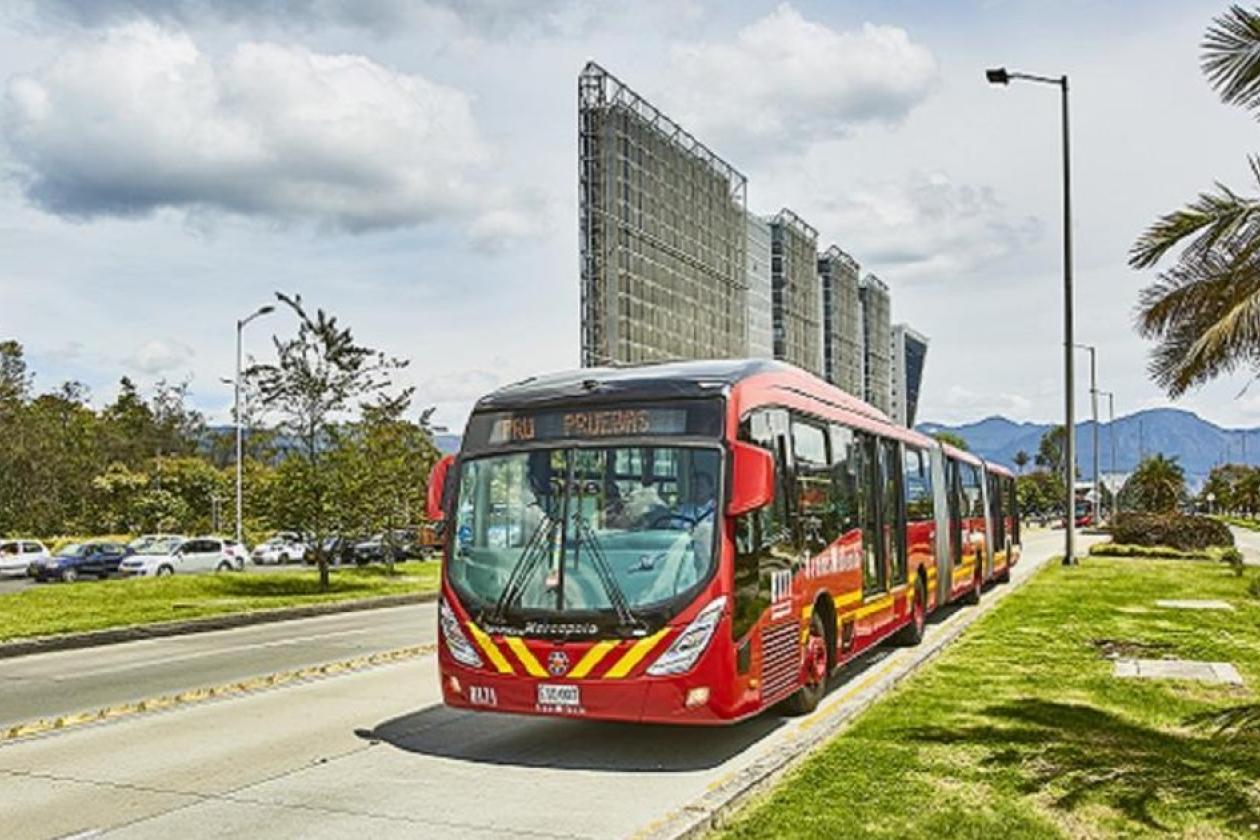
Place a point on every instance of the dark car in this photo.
(339, 550)
(400, 542)
(71, 562)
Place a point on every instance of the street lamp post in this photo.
(1111, 435)
(1093, 407)
(236, 417)
(1001, 76)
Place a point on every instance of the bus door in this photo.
(957, 503)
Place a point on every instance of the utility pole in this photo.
(1093, 407)
(240, 422)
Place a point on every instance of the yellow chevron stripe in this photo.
(806, 614)
(491, 650)
(592, 658)
(523, 654)
(632, 657)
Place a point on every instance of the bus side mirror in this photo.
(437, 488)
(752, 478)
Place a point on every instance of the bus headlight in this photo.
(692, 642)
(456, 642)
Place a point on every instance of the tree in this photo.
(1204, 312)
(1158, 485)
(953, 439)
(1052, 449)
(1039, 493)
(1021, 460)
(319, 375)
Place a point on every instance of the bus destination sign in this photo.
(508, 427)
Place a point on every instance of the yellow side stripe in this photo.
(523, 654)
(632, 657)
(845, 600)
(491, 650)
(806, 614)
(874, 607)
(592, 658)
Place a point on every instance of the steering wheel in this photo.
(662, 519)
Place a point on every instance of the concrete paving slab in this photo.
(1193, 604)
(1178, 669)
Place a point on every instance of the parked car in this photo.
(16, 556)
(211, 554)
(338, 549)
(156, 555)
(285, 547)
(401, 541)
(71, 562)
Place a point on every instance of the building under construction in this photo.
(797, 300)
(663, 230)
(842, 348)
(760, 296)
(877, 342)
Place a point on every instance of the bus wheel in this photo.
(912, 633)
(813, 671)
(977, 585)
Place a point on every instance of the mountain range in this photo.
(1197, 444)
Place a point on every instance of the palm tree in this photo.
(1021, 460)
(1157, 485)
(1204, 312)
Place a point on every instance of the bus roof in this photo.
(669, 380)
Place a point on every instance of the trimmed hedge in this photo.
(1111, 549)
(1176, 530)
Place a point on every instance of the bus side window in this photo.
(996, 512)
(813, 486)
(893, 520)
(1012, 501)
(866, 471)
(919, 504)
(763, 538)
(849, 499)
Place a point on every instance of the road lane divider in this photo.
(192, 696)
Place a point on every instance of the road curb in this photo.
(31, 729)
(162, 629)
(702, 816)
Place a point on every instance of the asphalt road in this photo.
(1248, 542)
(371, 752)
(47, 685)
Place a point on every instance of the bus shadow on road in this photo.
(569, 744)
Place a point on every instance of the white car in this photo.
(16, 556)
(282, 548)
(199, 554)
(156, 555)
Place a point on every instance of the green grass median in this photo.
(1020, 729)
(49, 609)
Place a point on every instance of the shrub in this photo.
(1234, 558)
(1253, 588)
(1113, 549)
(1176, 530)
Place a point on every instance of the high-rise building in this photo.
(760, 298)
(797, 298)
(909, 355)
(842, 349)
(662, 234)
(877, 342)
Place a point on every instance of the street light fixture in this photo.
(236, 417)
(1002, 76)
(1093, 405)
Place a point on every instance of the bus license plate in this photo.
(559, 695)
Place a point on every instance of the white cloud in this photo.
(924, 226)
(456, 387)
(789, 81)
(159, 356)
(139, 118)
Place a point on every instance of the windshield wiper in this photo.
(525, 565)
(616, 595)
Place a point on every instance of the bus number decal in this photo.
(780, 593)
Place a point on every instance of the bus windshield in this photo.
(598, 532)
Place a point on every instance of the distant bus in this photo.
(696, 542)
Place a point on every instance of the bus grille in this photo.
(780, 660)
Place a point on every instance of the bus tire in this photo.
(977, 586)
(912, 633)
(814, 670)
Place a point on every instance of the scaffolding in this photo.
(760, 295)
(841, 321)
(797, 298)
(877, 342)
(662, 232)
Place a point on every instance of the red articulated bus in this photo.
(695, 542)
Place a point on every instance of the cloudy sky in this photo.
(411, 166)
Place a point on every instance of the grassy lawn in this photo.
(1019, 729)
(52, 608)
